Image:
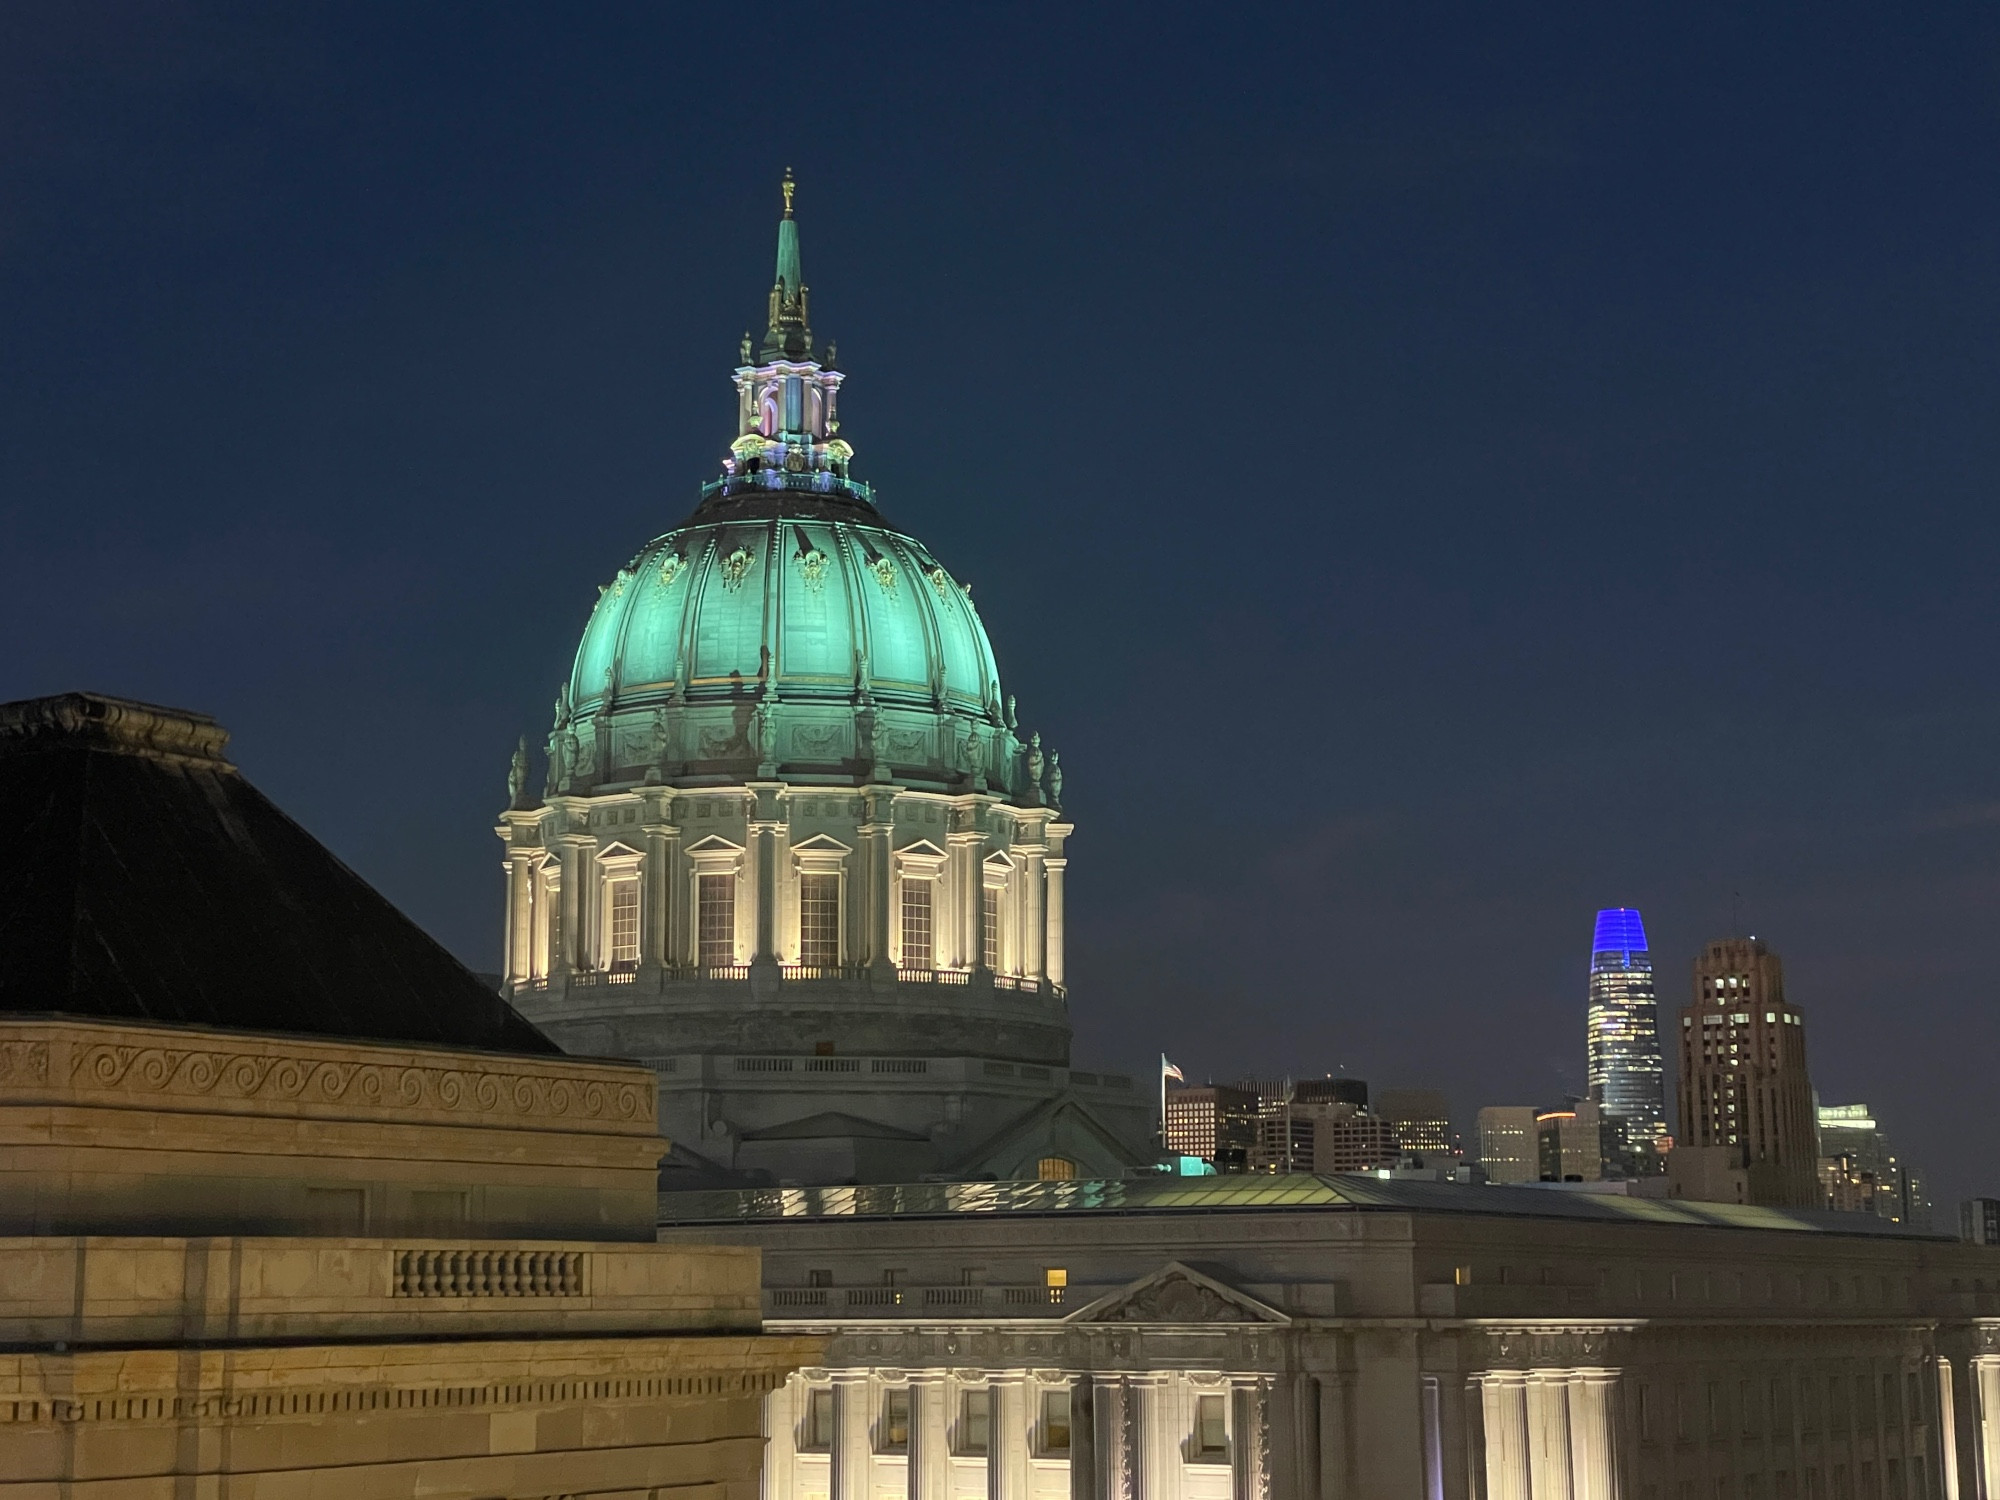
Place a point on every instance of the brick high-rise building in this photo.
(1747, 1130)
(1508, 1143)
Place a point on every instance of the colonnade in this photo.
(983, 900)
(1123, 1436)
(1550, 1434)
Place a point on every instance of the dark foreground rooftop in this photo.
(146, 880)
(1297, 1193)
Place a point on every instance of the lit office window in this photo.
(819, 920)
(917, 949)
(716, 920)
(624, 923)
(989, 928)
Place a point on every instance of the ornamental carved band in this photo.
(386, 1086)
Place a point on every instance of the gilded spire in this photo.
(789, 335)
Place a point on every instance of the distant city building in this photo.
(1214, 1122)
(1422, 1118)
(1509, 1149)
(1746, 1113)
(1347, 1139)
(1979, 1221)
(1856, 1165)
(1569, 1143)
(1330, 1090)
(1626, 1076)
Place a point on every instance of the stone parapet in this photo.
(126, 1128)
(81, 1292)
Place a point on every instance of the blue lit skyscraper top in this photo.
(1619, 930)
(1626, 1077)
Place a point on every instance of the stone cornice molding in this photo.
(62, 1062)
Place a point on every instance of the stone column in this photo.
(520, 917)
(1055, 865)
(1504, 1405)
(1548, 1435)
(1250, 1477)
(1156, 1469)
(656, 875)
(764, 882)
(680, 906)
(930, 1447)
(1007, 1446)
(1033, 962)
(781, 1416)
(1593, 1435)
(540, 960)
(876, 833)
(848, 1464)
(1082, 1439)
(1111, 1421)
(965, 884)
(1985, 1373)
(1337, 1449)
(577, 867)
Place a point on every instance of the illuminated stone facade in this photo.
(1352, 1339)
(790, 823)
(290, 1205)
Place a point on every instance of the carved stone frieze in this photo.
(279, 1076)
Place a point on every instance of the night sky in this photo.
(1430, 476)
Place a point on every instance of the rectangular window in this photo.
(624, 923)
(989, 928)
(1055, 1423)
(716, 920)
(556, 955)
(917, 950)
(895, 1434)
(818, 1434)
(819, 921)
(975, 1422)
(1211, 1427)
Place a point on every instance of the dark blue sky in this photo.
(1431, 476)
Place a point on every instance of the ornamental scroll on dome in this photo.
(736, 567)
(812, 569)
(885, 574)
(671, 567)
(941, 582)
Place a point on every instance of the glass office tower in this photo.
(1626, 1078)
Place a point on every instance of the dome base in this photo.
(652, 1012)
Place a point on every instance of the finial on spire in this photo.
(790, 333)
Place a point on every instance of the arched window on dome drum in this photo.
(715, 913)
(919, 949)
(819, 921)
(1055, 1169)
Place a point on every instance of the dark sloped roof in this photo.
(144, 879)
(831, 1124)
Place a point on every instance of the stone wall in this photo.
(132, 1129)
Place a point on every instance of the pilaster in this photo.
(1504, 1402)
(848, 1477)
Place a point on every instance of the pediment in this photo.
(999, 860)
(714, 844)
(821, 843)
(921, 849)
(619, 850)
(1177, 1293)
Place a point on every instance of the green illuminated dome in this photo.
(785, 629)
